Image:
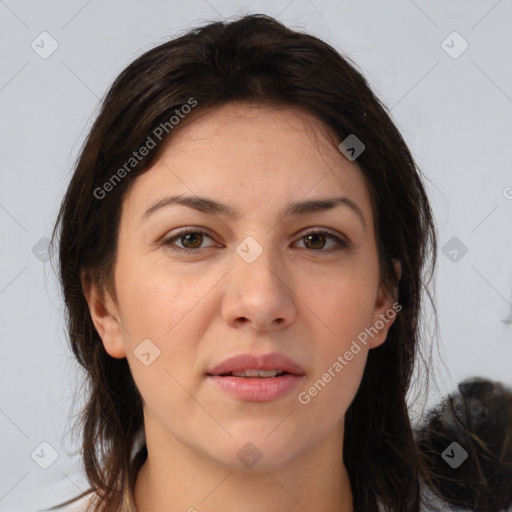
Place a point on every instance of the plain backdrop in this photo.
(441, 67)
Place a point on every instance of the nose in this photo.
(259, 294)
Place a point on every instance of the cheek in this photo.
(163, 314)
(344, 309)
(154, 299)
(329, 393)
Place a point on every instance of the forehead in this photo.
(251, 156)
(240, 128)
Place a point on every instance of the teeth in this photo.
(268, 373)
(250, 372)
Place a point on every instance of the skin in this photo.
(201, 308)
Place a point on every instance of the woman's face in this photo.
(252, 279)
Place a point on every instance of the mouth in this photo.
(252, 373)
(257, 366)
(256, 378)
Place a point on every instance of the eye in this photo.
(316, 240)
(191, 240)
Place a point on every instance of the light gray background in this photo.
(455, 114)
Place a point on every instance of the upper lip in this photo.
(273, 361)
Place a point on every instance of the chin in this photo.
(258, 451)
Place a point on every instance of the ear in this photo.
(104, 316)
(386, 310)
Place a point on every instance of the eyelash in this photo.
(342, 245)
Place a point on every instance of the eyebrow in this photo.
(206, 205)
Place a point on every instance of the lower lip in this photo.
(262, 389)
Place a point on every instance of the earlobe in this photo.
(386, 309)
(104, 317)
(397, 266)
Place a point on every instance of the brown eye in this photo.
(190, 240)
(315, 241)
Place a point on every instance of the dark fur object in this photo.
(479, 418)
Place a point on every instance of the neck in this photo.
(177, 478)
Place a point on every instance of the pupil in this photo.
(193, 235)
(315, 236)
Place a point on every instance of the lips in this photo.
(251, 366)
(256, 378)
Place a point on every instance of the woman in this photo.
(243, 248)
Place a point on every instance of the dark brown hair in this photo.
(254, 59)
